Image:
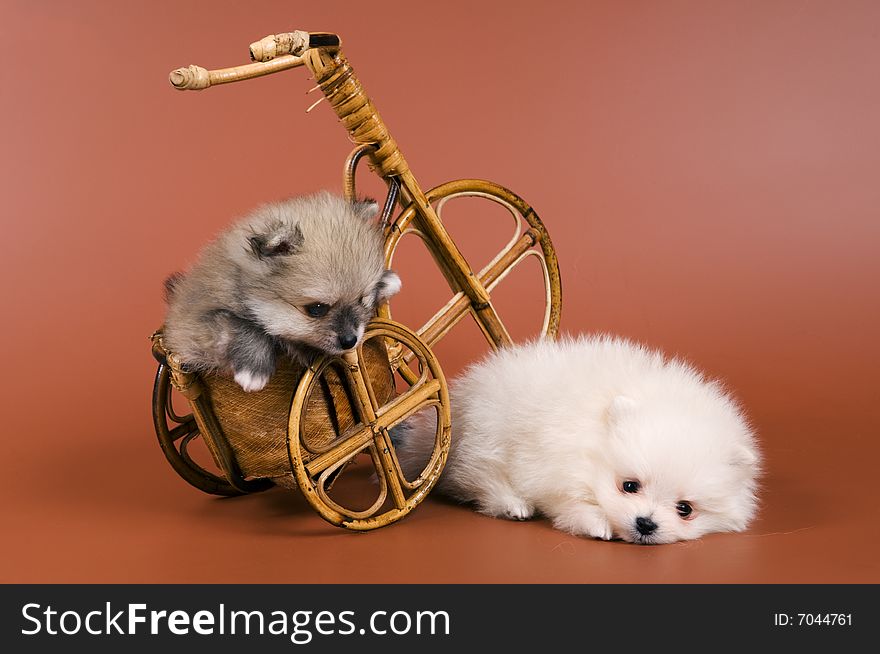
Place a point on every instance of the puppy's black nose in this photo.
(347, 342)
(646, 526)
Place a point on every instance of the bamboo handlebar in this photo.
(196, 78)
(270, 54)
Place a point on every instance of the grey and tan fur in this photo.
(293, 278)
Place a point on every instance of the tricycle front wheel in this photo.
(417, 385)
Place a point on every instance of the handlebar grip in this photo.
(295, 43)
(191, 78)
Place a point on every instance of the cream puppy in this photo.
(606, 438)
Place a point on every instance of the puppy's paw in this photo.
(518, 510)
(584, 520)
(506, 507)
(251, 381)
(600, 529)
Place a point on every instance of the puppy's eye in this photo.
(631, 486)
(317, 309)
(684, 509)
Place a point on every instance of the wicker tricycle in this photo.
(312, 421)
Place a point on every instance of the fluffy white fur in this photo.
(558, 427)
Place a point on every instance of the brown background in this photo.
(708, 172)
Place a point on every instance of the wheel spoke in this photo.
(429, 465)
(321, 489)
(387, 466)
(399, 363)
(348, 446)
(169, 408)
(444, 320)
(457, 308)
(359, 380)
(367, 382)
(184, 454)
(548, 285)
(392, 414)
(405, 405)
(514, 214)
(182, 430)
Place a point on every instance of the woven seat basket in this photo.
(255, 424)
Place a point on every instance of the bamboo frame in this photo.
(421, 215)
(348, 98)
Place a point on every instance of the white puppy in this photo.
(605, 437)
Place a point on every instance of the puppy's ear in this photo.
(367, 208)
(171, 285)
(389, 284)
(620, 407)
(744, 457)
(281, 241)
